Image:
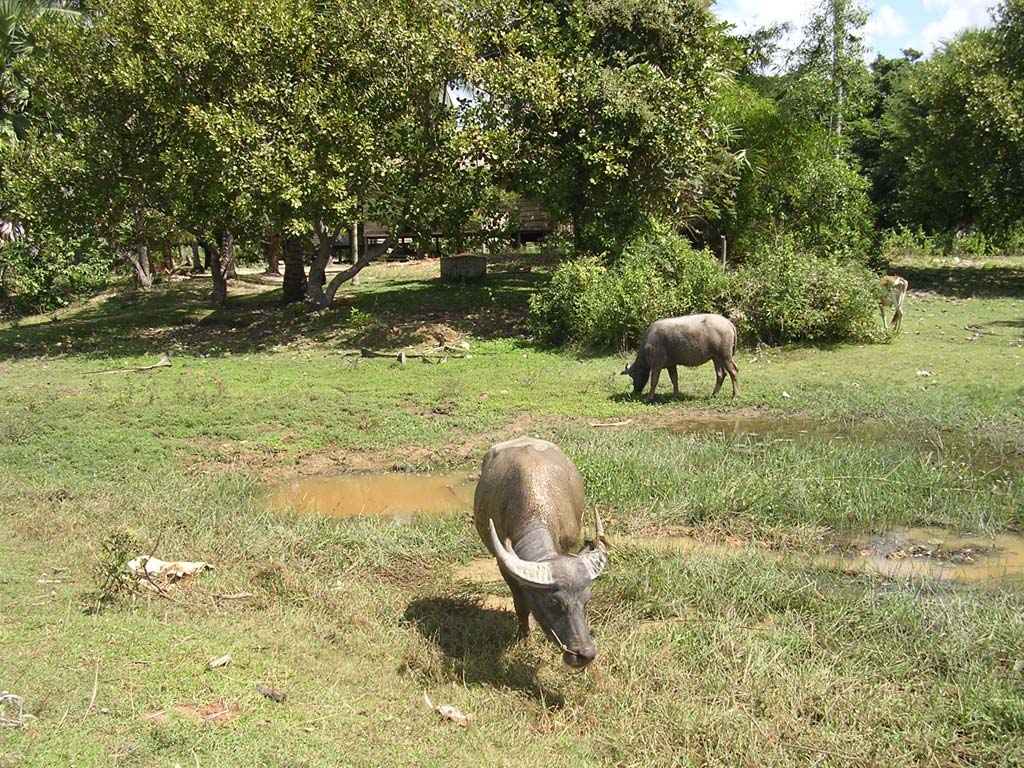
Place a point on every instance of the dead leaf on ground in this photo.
(12, 715)
(215, 712)
(221, 661)
(448, 712)
(271, 694)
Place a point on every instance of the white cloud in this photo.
(957, 16)
(885, 22)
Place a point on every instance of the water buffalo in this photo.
(530, 496)
(691, 341)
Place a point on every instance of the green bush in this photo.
(783, 294)
(598, 307)
(905, 242)
(49, 273)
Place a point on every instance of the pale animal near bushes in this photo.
(895, 292)
(528, 510)
(691, 341)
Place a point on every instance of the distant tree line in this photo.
(129, 127)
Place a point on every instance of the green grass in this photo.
(705, 658)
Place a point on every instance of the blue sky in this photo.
(894, 24)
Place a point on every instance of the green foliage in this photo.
(830, 83)
(950, 140)
(599, 307)
(900, 243)
(48, 272)
(605, 108)
(795, 185)
(113, 579)
(784, 294)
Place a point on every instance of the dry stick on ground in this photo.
(95, 687)
(165, 362)
(402, 356)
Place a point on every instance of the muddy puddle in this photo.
(398, 497)
(928, 552)
(983, 456)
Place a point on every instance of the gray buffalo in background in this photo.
(691, 341)
(528, 510)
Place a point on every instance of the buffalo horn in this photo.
(595, 560)
(526, 571)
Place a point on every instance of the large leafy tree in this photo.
(605, 105)
(967, 97)
(239, 117)
(17, 43)
(830, 80)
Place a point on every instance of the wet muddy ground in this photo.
(930, 552)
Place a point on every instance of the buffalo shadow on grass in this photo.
(473, 640)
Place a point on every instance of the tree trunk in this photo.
(838, 77)
(274, 254)
(354, 240)
(294, 272)
(220, 280)
(139, 258)
(197, 263)
(168, 266)
(318, 269)
(367, 256)
(228, 255)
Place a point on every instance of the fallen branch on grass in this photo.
(611, 423)
(11, 712)
(165, 362)
(401, 357)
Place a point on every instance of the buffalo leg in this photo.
(521, 605)
(719, 377)
(655, 373)
(734, 374)
(885, 325)
(673, 374)
(897, 320)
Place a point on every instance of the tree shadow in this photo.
(963, 281)
(474, 640)
(393, 313)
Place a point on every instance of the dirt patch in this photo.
(482, 571)
(215, 713)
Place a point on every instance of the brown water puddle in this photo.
(401, 498)
(981, 455)
(398, 497)
(931, 552)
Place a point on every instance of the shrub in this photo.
(786, 295)
(904, 242)
(598, 307)
(50, 273)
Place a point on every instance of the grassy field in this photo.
(706, 658)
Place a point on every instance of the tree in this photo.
(17, 42)
(967, 97)
(603, 107)
(793, 184)
(830, 79)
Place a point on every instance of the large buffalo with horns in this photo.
(528, 510)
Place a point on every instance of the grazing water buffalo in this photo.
(528, 511)
(691, 341)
